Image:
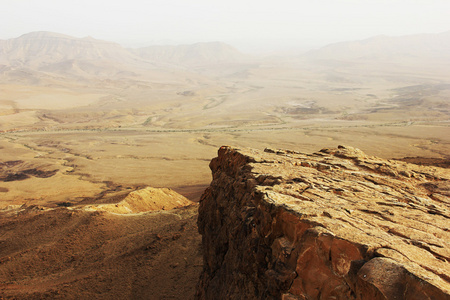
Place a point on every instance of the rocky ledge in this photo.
(336, 224)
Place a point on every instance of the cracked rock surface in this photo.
(335, 224)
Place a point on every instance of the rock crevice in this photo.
(335, 224)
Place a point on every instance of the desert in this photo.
(85, 123)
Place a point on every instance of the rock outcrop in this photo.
(336, 224)
(148, 199)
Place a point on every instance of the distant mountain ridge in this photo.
(212, 52)
(37, 49)
(47, 50)
(55, 53)
(436, 46)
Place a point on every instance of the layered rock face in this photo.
(336, 224)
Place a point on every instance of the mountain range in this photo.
(419, 46)
(39, 49)
(55, 53)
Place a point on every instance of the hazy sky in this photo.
(248, 24)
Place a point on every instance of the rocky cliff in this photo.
(336, 224)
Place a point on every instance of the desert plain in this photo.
(81, 130)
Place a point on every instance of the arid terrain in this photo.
(85, 122)
(333, 224)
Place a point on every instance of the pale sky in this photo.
(250, 25)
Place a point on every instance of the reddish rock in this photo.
(336, 224)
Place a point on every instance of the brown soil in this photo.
(76, 254)
(428, 161)
(27, 173)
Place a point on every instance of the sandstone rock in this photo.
(148, 199)
(336, 224)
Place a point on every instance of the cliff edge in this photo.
(335, 224)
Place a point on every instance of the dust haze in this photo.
(85, 122)
(99, 116)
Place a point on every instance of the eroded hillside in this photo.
(134, 249)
